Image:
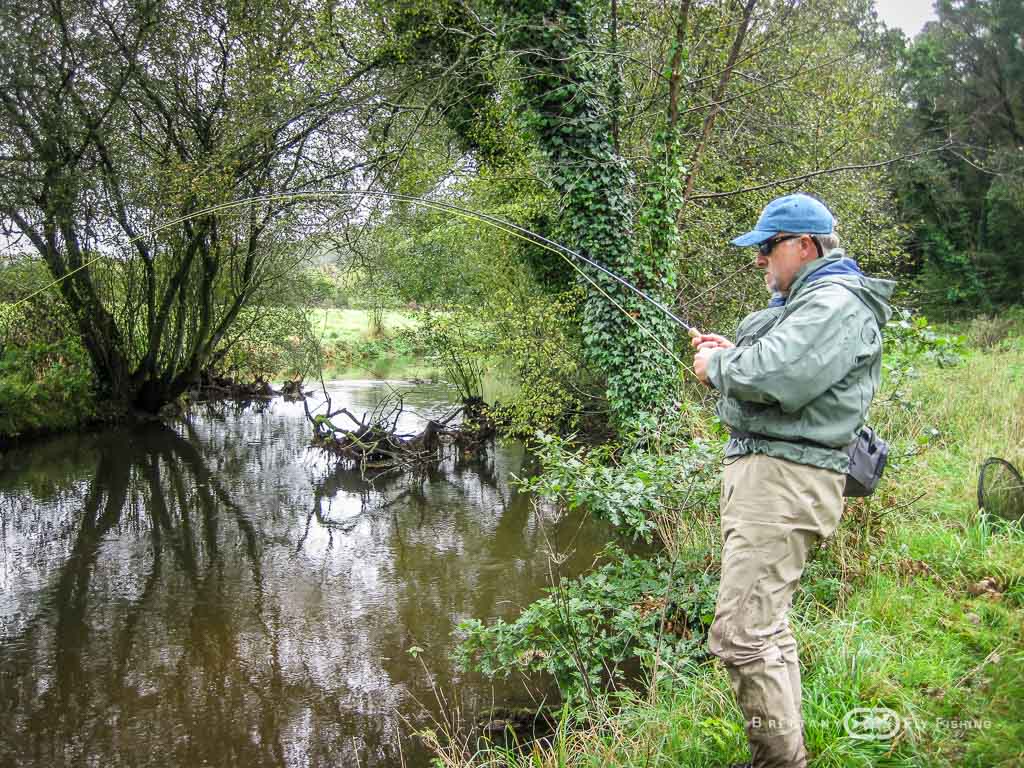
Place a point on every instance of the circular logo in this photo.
(873, 723)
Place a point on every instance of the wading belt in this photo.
(739, 434)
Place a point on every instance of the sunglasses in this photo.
(768, 246)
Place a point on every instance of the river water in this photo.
(214, 593)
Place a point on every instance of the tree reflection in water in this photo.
(216, 595)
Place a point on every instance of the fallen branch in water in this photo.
(211, 387)
(374, 442)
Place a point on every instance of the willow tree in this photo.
(117, 118)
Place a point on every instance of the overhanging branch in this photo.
(822, 172)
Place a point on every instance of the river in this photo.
(214, 593)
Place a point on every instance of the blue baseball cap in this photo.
(800, 214)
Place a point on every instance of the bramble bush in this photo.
(908, 337)
(650, 485)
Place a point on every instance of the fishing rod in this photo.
(503, 225)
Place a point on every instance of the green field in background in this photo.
(354, 324)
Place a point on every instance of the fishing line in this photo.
(501, 224)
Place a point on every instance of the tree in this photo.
(125, 124)
(568, 92)
(640, 109)
(645, 134)
(964, 79)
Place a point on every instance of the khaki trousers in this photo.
(773, 511)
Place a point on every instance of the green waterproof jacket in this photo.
(799, 381)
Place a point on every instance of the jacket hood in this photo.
(836, 267)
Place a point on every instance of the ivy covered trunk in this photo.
(569, 96)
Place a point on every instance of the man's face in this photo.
(786, 255)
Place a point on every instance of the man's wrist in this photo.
(713, 371)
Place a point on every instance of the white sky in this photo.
(908, 15)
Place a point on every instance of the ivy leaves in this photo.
(572, 122)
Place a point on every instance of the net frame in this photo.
(1017, 485)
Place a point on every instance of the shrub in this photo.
(987, 331)
(45, 387)
(634, 487)
(909, 337)
(586, 629)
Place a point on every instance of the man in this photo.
(795, 389)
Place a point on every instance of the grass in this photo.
(916, 605)
(348, 335)
(354, 325)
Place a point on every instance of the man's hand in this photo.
(700, 363)
(706, 345)
(710, 341)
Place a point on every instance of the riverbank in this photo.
(46, 386)
(46, 389)
(913, 612)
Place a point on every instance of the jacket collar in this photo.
(833, 263)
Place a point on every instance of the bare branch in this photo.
(823, 172)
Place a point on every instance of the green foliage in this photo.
(887, 614)
(966, 205)
(524, 333)
(949, 280)
(45, 387)
(401, 344)
(328, 290)
(910, 343)
(25, 320)
(911, 338)
(587, 628)
(537, 334)
(658, 215)
(1000, 263)
(650, 482)
(566, 91)
(444, 44)
(774, 133)
(632, 487)
(136, 138)
(268, 342)
(461, 345)
(416, 256)
(46, 380)
(482, 305)
(585, 170)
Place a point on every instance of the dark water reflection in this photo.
(213, 594)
